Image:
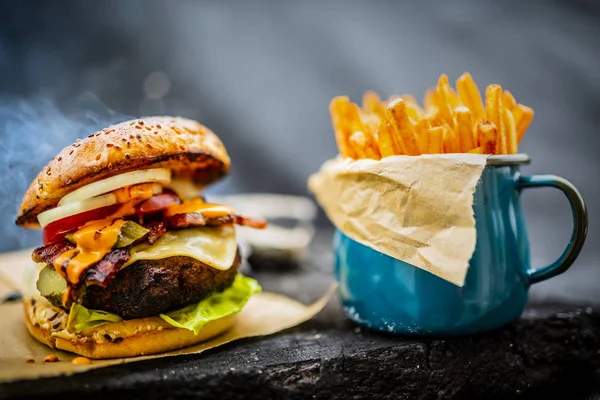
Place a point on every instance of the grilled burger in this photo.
(134, 261)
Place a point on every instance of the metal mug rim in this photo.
(508, 159)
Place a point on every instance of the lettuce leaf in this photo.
(192, 317)
(81, 318)
(216, 306)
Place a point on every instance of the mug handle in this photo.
(580, 224)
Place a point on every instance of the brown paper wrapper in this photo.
(415, 209)
(264, 314)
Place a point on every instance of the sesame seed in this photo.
(141, 122)
(148, 145)
(109, 145)
(138, 127)
(182, 147)
(59, 158)
(127, 156)
(71, 152)
(158, 126)
(30, 361)
(98, 157)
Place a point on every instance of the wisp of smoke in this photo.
(32, 131)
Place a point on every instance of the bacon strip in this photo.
(47, 254)
(157, 229)
(179, 221)
(105, 270)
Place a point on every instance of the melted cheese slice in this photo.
(208, 210)
(214, 246)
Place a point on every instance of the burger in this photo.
(135, 260)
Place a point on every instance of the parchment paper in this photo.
(264, 314)
(415, 209)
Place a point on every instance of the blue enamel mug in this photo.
(383, 293)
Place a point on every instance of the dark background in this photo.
(261, 75)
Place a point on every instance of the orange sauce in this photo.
(140, 192)
(209, 210)
(94, 241)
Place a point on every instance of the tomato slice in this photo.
(55, 232)
(158, 202)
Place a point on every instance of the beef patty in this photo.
(150, 287)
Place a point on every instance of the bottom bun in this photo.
(128, 338)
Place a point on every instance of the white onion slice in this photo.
(185, 188)
(159, 175)
(64, 211)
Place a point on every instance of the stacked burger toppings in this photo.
(84, 252)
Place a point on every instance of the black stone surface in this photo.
(553, 351)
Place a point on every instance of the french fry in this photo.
(355, 115)
(434, 118)
(451, 144)
(487, 133)
(464, 127)
(431, 99)
(362, 147)
(493, 109)
(508, 100)
(372, 104)
(436, 140)
(358, 143)
(446, 99)
(422, 132)
(470, 96)
(510, 131)
(415, 112)
(523, 117)
(396, 113)
(373, 152)
(371, 101)
(371, 120)
(338, 110)
(476, 150)
(385, 141)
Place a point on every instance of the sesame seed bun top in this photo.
(185, 146)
